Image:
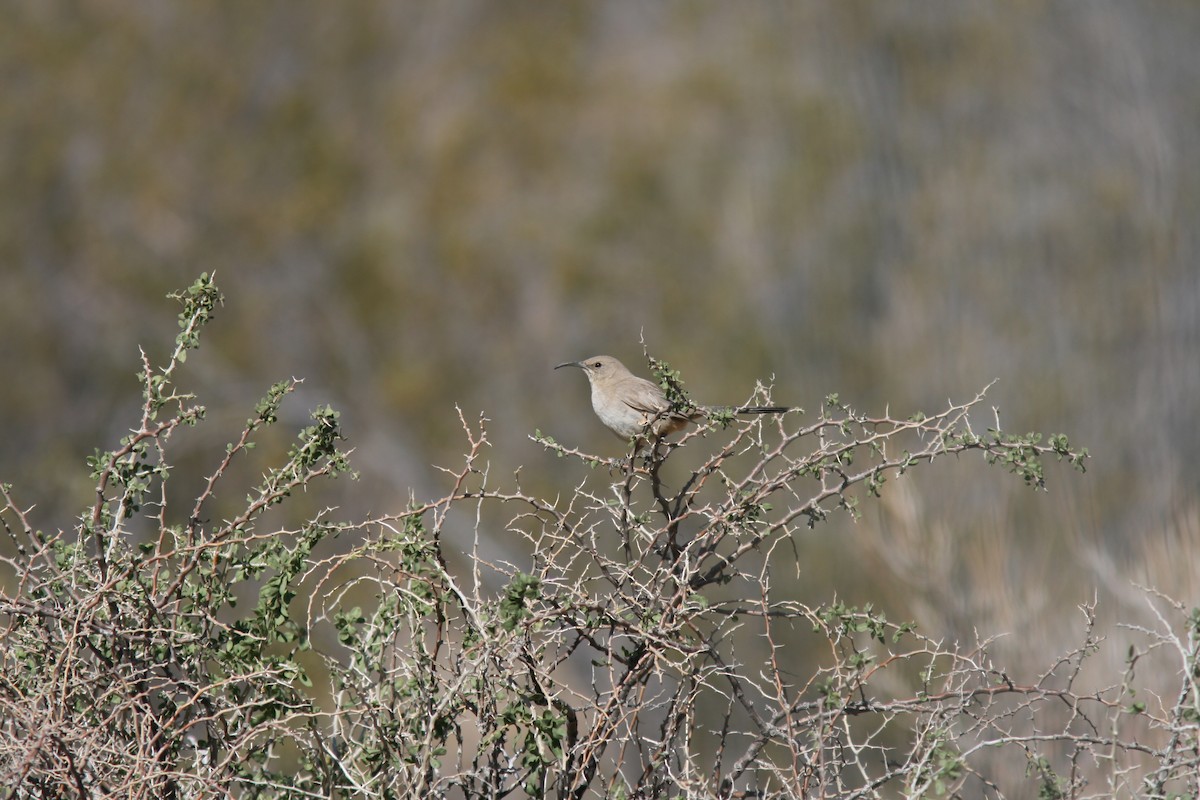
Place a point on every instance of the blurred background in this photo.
(415, 206)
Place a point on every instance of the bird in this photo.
(634, 408)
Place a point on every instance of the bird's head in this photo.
(597, 368)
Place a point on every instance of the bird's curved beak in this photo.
(571, 364)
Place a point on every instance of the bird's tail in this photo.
(709, 410)
(764, 409)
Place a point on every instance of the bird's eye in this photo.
(597, 365)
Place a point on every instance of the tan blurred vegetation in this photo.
(417, 205)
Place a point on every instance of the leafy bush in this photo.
(645, 649)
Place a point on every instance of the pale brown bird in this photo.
(632, 407)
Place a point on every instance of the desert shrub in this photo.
(644, 646)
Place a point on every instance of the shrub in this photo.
(644, 647)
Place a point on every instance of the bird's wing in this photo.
(645, 397)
